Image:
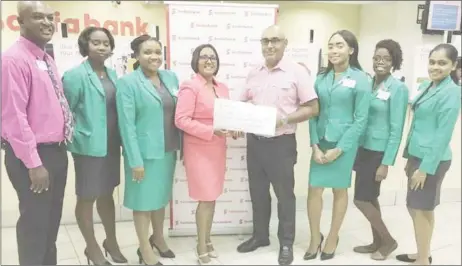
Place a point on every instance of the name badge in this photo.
(383, 95)
(350, 83)
(41, 65)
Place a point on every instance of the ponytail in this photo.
(454, 77)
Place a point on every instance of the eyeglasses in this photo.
(266, 41)
(385, 59)
(208, 57)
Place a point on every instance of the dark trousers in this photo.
(271, 161)
(40, 214)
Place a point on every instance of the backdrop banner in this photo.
(235, 31)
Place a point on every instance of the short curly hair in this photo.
(395, 51)
(84, 39)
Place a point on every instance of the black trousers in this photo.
(271, 161)
(40, 214)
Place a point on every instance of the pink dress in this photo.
(204, 152)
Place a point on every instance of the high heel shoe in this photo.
(201, 256)
(328, 256)
(141, 259)
(166, 254)
(312, 256)
(85, 252)
(114, 258)
(213, 253)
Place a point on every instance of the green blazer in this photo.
(435, 115)
(387, 115)
(344, 107)
(87, 101)
(141, 115)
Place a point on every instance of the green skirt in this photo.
(155, 191)
(336, 174)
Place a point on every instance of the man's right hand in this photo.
(39, 179)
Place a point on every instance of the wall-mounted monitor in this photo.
(441, 16)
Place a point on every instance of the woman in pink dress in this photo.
(204, 148)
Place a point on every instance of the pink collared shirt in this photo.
(31, 112)
(285, 87)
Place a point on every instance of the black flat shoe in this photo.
(252, 244)
(117, 258)
(141, 260)
(405, 258)
(328, 256)
(166, 254)
(286, 255)
(312, 256)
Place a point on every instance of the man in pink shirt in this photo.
(287, 86)
(36, 122)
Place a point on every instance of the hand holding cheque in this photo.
(244, 117)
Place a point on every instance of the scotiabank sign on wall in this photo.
(76, 25)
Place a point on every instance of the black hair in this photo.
(84, 39)
(459, 62)
(452, 54)
(352, 42)
(395, 51)
(135, 45)
(196, 54)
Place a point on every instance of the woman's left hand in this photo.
(418, 180)
(332, 154)
(236, 134)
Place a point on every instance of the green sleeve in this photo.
(362, 102)
(448, 112)
(72, 90)
(398, 107)
(126, 112)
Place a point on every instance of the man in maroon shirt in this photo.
(36, 122)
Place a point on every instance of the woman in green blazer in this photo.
(380, 143)
(344, 93)
(146, 100)
(90, 92)
(435, 112)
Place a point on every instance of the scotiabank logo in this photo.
(184, 38)
(203, 25)
(228, 76)
(257, 14)
(238, 52)
(176, 63)
(249, 64)
(242, 221)
(238, 26)
(221, 13)
(185, 11)
(76, 25)
(249, 39)
(229, 39)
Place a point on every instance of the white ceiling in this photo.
(352, 2)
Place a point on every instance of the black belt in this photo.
(4, 144)
(270, 138)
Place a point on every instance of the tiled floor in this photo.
(446, 244)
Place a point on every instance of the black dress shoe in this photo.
(405, 258)
(328, 256)
(286, 255)
(252, 244)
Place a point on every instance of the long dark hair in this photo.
(352, 42)
(452, 54)
(136, 44)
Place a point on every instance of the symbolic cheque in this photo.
(245, 117)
